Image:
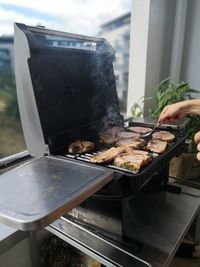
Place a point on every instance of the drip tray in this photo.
(40, 191)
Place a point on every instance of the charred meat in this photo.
(108, 155)
(136, 143)
(132, 162)
(81, 146)
(157, 146)
(130, 151)
(115, 130)
(110, 136)
(127, 135)
(107, 138)
(164, 136)
(140, 130)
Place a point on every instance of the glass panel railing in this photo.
(11, 136)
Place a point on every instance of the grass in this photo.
(5, 95)
(2, 105)
(11, 136)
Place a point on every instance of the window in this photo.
(11, 137)
(94, 18)
(125, 76)
(119, 37)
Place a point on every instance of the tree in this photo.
(7, 85)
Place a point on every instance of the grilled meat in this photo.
(135, 143)
(132, 162)
(115, 130)
(107, 138)
(157, 146)
(127, 135)
(110, 136)
(107, 156)
(140, 130)
(80, 146)
(164, 136)
(131, 151)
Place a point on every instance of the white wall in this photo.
(150, 46)
(159, 43)
(152, 29)
(191, 56)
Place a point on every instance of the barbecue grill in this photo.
(66, 91)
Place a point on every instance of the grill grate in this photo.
(158, 160)
(87, 156)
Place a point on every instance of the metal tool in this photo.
(146, 135)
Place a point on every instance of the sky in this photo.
(76, 16)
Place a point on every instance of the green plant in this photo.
(137, 108)
(166, 93)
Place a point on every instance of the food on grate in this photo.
(81, 146)
(110, 136)
(163, 136)
(131, 151)
(107, 155)
(157, 146)
(127, 135)
(132, 162)
(140, 130)
(135, 143)
(107, 138)
(115, 130)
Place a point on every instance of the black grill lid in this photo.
(73, 82)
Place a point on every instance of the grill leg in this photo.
(34, 249)
(127, 241)
(197, 231)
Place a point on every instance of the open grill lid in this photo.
(65, 86)
(50, 87)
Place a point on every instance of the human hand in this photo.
(172, 113)
(197, 141)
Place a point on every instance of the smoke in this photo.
(105, 101)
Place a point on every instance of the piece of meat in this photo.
(127, 135)
(107, 156)
(132, 162)
(131, 151)
(107, 138)
(157, 146)
(115, 130)
(81, 146)
(163, 136)
(135, 143)
(140, 130)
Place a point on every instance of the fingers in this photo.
(198, 147)
(197, 141)
(197, 138)
(164, 117)
(169, 115)
(172, 113)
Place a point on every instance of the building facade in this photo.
(6, 51)
(117, 33)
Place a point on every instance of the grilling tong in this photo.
(146, 135)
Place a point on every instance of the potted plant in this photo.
(186, 166)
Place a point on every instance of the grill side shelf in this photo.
(40, 191)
